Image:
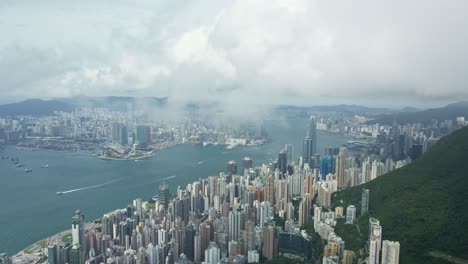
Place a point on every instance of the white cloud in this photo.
(268, 51)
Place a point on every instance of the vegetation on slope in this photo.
(424, 205)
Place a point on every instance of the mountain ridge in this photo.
(422, 205)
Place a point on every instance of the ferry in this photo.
(28, 170)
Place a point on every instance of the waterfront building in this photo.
(78, 229)
(247, 163)
(143, 136)
(164, 195)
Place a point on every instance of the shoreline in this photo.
(37, 251)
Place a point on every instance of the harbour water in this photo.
(32, 210)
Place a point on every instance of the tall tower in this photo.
(164, 195)
(231, 169)
(247, 163)
(290, 153)
(310, 141)
(340, 170)
(78, 229)
(283, 162)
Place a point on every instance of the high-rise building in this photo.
(364, 201)
(78, 229)
(249, 236)
(290, 153)
(327, 166)
(247, 163)
(303, 213)
(390, 252)
(52, 254)
(348, 257)
(315, 161)
(234, 225)
(164, 195)
(76, 255)
(212, 254)
(310, 142)
(375, 240)
(143, 136)
(350, 214)
(282, 162)
(119, 133)
(340, 170)
(231, 169)
(269, 245)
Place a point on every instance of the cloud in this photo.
(274, 51)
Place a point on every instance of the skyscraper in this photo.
(234, 225)
(231, 169)
(269, 249)
(364, 201)
(310, 141)
(78, 229)
(76, 255)
(340, 170)
(212, 254)
(327, 165)
(350, 214)
(290, 153)
(375, 240)
(164, 195)
(390, 252)
(143, 136)
(247, 163)
(282, 162)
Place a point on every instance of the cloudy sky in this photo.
(266, 51)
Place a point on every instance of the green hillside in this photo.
(424, 205)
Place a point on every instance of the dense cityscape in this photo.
(233, 132)
(248, 213)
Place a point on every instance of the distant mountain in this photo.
(449, 112)
(410, 109)
(349, 109)
(38, 107)
(35, 107)
(117, 103)
(422, 205)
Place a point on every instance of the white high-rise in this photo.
(212, 254)
(375, 241)
(390, 252)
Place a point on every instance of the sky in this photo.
(305, 52)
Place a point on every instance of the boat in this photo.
(59, 193)
(45, 166)
(19, 165)
(28, 170)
